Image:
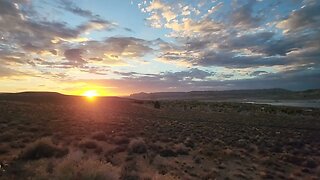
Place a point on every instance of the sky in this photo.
(119, 47)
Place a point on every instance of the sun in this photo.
(90, 94)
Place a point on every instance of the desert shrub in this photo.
(138, 102)
(162, 169)
(156, 105)
(130, 176)
(164, 176)
(155, 147)
(119, 148)
(4, 149)
(85, 169)
(17, 144)
(98, 150)
(33, 129)
(88, 144)
(189, 143)
(197, 160)
(6, 137)
(119, 140)
(42, 149)
(181, 149)
(129, 171)
(167, 153)
(293, 159)
(137, 146)
(99, 136)
(310, 163)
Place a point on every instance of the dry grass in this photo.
(42, 148)
(120, 139)
(4, 148)
(88, 144)
(137, 146)
(84, 169)
(99, 136)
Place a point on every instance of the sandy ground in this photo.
(124, 139)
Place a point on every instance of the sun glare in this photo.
(91, 94)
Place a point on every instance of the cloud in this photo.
(112, 51)
(258, 73)
(117, 48)
(74, 57)
(73, 8)
(304, 19)
(213, 9)
(250, 40)
(26, 38)
(241, 44)
(163, 9)
(7, 72)
(127, 46)
(242, 41)
(96, 25)
(188, 75)
(242, 16)
(295, 80)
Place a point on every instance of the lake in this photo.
(294, 103)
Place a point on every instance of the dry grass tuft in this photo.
(88, 144)
(84, 169)
(137, 146)
(7, 136)
(42, 148)
(99, 136)
(4, 149)
(120, 140)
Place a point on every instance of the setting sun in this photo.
(91, 94)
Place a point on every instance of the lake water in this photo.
(294, 103)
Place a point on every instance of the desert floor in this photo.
(115, 138)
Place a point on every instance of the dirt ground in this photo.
(113, 138)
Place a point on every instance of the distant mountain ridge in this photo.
(274, 94)
(34, 93)
(43, 96)
(230, 94)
